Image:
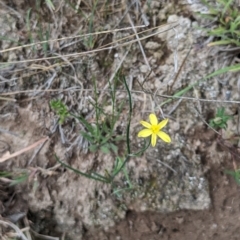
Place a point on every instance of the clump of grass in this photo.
(42, 33)
(225, 16)
(100, 133)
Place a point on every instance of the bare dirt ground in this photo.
(181, 190)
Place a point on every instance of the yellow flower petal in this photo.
(165, 137)
(163, 123)
(146, 124)
(153, 119)
(145, 133)
(154, 139)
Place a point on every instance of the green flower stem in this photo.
(119, 169)
(128, 132)
(126, 175)
(129, 116)
(98, 177)
(146, 146)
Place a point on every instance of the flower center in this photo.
(155, 129)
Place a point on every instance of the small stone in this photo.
(144, 69)
(158, 55)
(175, 126)
(152, 45)
(179, 219)
(214, 226)
(172, 19)
(154, 227)
(155, 4)
(143, 227)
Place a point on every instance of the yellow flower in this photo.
(154, 128)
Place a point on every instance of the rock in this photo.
(152, 45)
(144, 69)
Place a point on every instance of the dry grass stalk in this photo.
(9, 156)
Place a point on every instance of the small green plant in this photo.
(101, 135)
(15, 177)
(90, 39)
(235, 174)
(220, 120)
(226, 17)
(99, 132)
(61, 110)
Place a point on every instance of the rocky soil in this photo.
(180, 189)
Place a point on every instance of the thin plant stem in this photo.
(99, 177)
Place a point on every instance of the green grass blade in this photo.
(216, 73)
(50, 5)
(129, 116)
(227, 6)
(29, 27)
(224, 42)
(88, 175)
